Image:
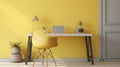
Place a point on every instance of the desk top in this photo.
(76, 34)
(64, 34)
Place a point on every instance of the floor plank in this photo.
(63, 64)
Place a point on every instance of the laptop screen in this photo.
(57, 29)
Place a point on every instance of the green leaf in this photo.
(15, 44)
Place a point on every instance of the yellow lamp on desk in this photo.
(42, 43)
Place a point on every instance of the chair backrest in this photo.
(57, 29)
(40, 40)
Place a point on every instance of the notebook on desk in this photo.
(57, 29)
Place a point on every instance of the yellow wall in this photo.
(16, 21)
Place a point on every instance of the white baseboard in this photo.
(69, 60)
(112, 60)
(4, 60)
(57, 60)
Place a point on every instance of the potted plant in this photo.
(80, 29)
(16, 52)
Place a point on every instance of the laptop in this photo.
(57, 29)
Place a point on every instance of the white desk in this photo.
(87, 40)
(77, 34)
(61, 34)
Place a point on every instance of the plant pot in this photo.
(16, 50)
(80, 30)
(15, 58)
(16, 55)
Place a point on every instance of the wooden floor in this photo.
(63, 64)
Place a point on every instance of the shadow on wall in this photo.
(14, 25)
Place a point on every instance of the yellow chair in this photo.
(44, 45)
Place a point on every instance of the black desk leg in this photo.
(91, 52)
(29, 50)
(87, 48)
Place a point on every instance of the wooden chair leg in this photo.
(52, 57)
(39, 53)
(36, 55)
(46, 53)
(43, 56)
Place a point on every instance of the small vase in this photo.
(44, 31)
(81, 30)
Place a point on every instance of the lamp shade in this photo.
(35, 18)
